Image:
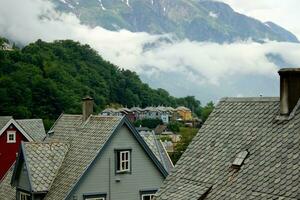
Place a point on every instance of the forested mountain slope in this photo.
(44, 79)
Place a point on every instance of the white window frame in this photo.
(148, 195)
(95, 198)
(24, 196)
(124, 161)
(11, 133)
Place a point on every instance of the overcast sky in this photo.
(283, 12)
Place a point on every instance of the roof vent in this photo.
(239, 159)
(51, 132)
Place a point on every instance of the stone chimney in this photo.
(289, 89)
(87, 107)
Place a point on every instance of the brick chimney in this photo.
(87, 107)
(289, 89)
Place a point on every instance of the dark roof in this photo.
(270, 171)
(160, 128)
(142, 129)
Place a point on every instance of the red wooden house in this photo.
(12, 132)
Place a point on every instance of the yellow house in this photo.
(184, 113)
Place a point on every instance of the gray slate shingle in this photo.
(79, 135)
(34, 128)
(43, 162)
(4, 120)
(158, 149)
(270, 171)
(7, 192)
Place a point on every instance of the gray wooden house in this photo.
(249, 148)
(87, 157)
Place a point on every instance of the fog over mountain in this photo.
(233, 64)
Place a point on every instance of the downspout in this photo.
(109, 179)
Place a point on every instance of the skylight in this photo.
(240, 158)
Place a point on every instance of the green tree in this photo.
(206, 110)
(187, 134)
(45, 79)
(174, 126)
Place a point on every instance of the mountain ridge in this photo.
(196, 20)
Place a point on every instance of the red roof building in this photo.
(12, 132)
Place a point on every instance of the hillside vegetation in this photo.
(45, 79)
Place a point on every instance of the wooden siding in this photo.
(8, 151)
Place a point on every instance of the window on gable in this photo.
(148, 194)
(97, 196)
(24, 196)
(239, 159)
(11, 136)
(123, 161)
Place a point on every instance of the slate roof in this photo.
(4, 120)
(136, 109)
(72, 130)
(158, 149)
(43, 161)
(142, 129)
(160, 128)
(270, 171)
(7, 192)
(33, 127)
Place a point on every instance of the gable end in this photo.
(140, 140)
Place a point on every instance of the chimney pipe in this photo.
(87, 107)
(289, 89)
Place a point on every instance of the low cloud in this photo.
(285, 13)
(205, 65)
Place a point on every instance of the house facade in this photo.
(12, 132)
(248, 148)
(184, 113)
(131, 115)
(166, 114)
(87, 157)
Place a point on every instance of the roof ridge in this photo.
(249, 99)
(159, 152)
(28, 119)
(63, 160)
(44, 142)
(65, 114)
